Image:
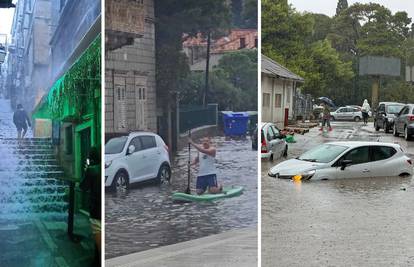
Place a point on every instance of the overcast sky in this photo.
(6, 19)
(328, 7)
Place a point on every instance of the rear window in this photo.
(382, 152)
(394, 109)
(148, 142)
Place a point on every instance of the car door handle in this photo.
(365, 171)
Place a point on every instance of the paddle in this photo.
(188, 191)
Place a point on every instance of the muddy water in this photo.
(354, 222)
(145, 217)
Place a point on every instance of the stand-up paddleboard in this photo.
(227, 192)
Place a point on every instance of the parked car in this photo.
(404, 122)
(385, 115)
(136, 157)
(350, 159)
(347, 113)
(273, 143)
(254, 139)
(360, 108)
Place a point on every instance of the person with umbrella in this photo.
(326, 113)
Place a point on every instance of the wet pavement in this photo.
(145, 217)
(353, 222)
(33, 204)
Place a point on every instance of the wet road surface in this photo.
(145, 217)
(354, 222)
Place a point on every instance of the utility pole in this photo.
(205, 100)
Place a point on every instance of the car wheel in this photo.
(164, 174)
(406, 135)
(386, 129)
(120, 182)
(376, 126)
(357, 119)
(394, 131)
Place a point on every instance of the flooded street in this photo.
(145, 217)
(354, 222)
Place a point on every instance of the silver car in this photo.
(347, 114)
(273, 144)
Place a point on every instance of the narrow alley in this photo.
(34, 203)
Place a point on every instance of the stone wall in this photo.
(132, 68)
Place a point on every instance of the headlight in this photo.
(304, 176)
(107, 164)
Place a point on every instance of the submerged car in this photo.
(273, 144)
(404, 122)
(337, 160)
(385, 115)
(347, 113)
(136, 157)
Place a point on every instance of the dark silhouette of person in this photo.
(92, 184)
(21, 121)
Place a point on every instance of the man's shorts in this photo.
(21, 127)
(206, 181)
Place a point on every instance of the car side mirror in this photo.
(131, 149)
(345, 163)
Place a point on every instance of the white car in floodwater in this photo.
(136, 157)
(337, 160)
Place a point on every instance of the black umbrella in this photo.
(327, 101)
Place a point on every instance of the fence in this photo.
(196, 116)
(303, 106)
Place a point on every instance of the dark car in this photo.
(404, 122)
(385, 115)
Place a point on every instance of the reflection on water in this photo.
(145, 217)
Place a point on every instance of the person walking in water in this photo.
(207, 173)
(365, 110)
(21, 120)
(326, 117)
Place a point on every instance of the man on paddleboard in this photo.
(207, 173)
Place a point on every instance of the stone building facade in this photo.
(130, 99)
(29, 52)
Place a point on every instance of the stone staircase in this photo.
(30, 187)
(29, 180)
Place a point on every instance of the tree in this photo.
(237, 10)
(233, 83)
(341, 6)
(250, 14)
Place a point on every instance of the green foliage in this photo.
(233, 83)
(326, 51)
(250, 14)
(174, 18)
(72, 95)
(341, 6)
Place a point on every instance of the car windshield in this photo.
(394, 109)
(115, 145)
(324, 153)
